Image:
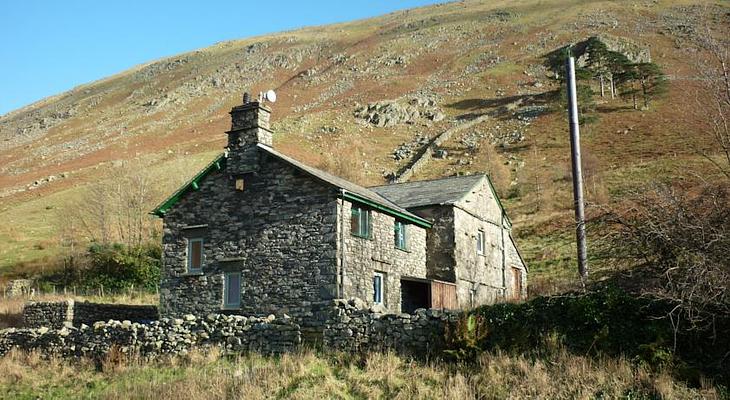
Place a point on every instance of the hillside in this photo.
(448, 62)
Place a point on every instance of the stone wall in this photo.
(353, 327)
(484, 278)
(347, 325)
(19, 287)
(165, 337)
(62, 313)
(48, 314)
(279, 233)
(88, 313)
(365, 256)
(424, 156)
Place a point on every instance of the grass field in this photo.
(309, 375)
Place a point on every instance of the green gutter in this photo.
(387, 210)
(194, 184)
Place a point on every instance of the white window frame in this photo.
(481, 239)
(189, 263)
(379, 299)
(226, 286)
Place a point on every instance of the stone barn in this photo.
(257, 232)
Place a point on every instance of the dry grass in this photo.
(306, 375)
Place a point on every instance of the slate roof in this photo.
(351, 191)
(339, 182)
(432, 192)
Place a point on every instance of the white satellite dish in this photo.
(269, 96)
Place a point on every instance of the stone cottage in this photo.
(257, 232)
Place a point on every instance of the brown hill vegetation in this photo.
(166, 119)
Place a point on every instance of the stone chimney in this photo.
(249, 127)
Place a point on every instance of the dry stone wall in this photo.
(353, 327)
(48, 314)
(63, 313)
(348, 325)
(232, 333)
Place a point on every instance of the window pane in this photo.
(396, 232)
(377, 289)
(366, 223)
(400, 235)
(195, 254)
(233, 289)
(355, 224)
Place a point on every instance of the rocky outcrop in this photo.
(395, 112)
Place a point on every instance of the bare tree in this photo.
(713, 96)
(683, 238)
(116, 210)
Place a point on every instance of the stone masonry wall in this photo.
(353, 327)
(279, 233)
(365, 256)
(62, 313)
(165, 337)
(477, 275)
(348, 325)
(440, 261)
(480, 277)
(88, 313)
(48, 314)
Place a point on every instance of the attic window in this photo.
(240, 184)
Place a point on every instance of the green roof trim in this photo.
(387, 210)
(194, 184)
(499, 202)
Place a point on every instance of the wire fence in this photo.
(31, 290)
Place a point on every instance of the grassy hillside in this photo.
(472, 57)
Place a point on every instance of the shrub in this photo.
(605, 322)
(118, 267)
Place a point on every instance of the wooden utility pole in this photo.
(580, 224)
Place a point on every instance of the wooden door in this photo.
(443, 295)
(517, 284)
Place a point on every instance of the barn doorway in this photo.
(415, 294)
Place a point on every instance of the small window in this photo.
(232, 290)
(400, 235)
(360, 222)
(480, 242)
(195, 255)
(240, 184)
(378, 288)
